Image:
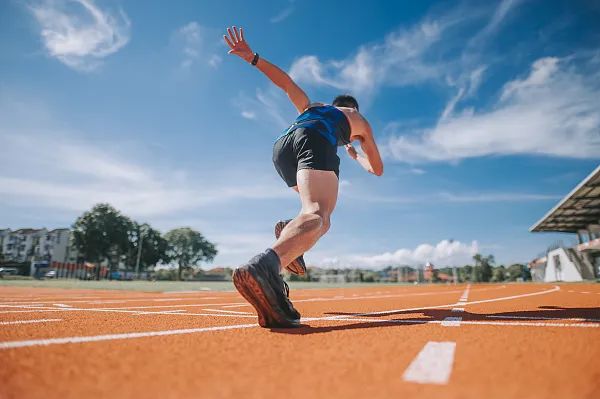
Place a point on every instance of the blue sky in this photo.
(487, 114)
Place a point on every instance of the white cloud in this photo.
(269, 106)
(79, 33)
(399, 60)
(195, 49)
(45, 167)
(248, 114)
(283, 14)
(446, 197)
(553, 111)
(444, 253)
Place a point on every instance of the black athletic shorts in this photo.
(304, 148)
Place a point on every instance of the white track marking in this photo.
(465, 295)
(542, 318)
(433, 365)
(6, 323)
(531, 324)
(505, 298)
(111, 337)
(455, 321)
(31, 311)
(101, 301)
(225, 311)
(18, 344)
(240, 304)
(131, 311)
(483, 323)
(62, 305)
(451, 322)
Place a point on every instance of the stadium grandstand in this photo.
(578, 213)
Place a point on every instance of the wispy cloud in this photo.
(195, 49)
(551, 111)
(79, 33)
(444, 253)
(447, 197)
(269, 106)
(283, 14)
(66, 171)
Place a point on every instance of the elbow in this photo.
(378, 171)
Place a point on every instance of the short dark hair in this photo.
(345, 100)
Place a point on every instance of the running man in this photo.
(305, 156)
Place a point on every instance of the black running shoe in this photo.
(260, 284)
(297, 266)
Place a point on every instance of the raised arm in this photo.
(236, 41)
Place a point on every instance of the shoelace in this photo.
(286, 287)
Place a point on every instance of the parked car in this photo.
(50, 274)
(8, 271)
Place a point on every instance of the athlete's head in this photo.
(345, 100)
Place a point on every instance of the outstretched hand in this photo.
(235, 40)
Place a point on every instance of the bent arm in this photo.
(285, 83)
(371, 162)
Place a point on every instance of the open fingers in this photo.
(231, 36)
(237, 35)
(228, 41)
(242, 33)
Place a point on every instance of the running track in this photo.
(479, 341)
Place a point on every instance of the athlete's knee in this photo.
(312, 221)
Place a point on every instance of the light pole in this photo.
(139, 254)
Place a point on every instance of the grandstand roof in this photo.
(579, 209)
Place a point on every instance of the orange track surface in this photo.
(521, 341)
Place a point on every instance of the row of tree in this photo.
(105, 234)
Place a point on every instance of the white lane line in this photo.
(451, 322)
(531, 324)
(465, 295)
(433, 365)
(482, 323)
(110, 337)
(134, 311)
(6, 323)
(165, 312)
(62, 305)
(32, 311)
(505, 298)
(542, 318)
(225, 311)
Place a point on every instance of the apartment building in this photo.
(24, 245)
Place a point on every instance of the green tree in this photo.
(476, 274)
(485, 262)
(154, 246)
(499, 274)
(518, 270)
(102, 234)
(465, 273)
(188, 247)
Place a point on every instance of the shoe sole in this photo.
(249, 287)
(295, 267)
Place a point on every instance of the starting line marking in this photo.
(433, 365)
(6, 323)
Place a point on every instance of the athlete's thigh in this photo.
(318, 190)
